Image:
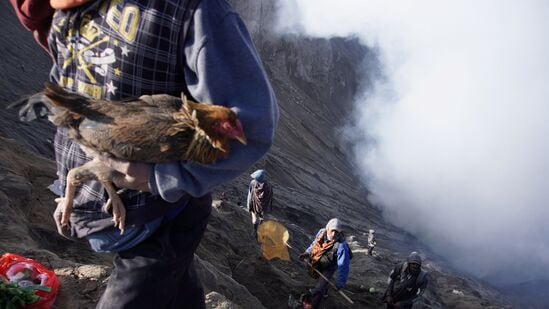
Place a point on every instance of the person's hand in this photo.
(303, 256)
(67, 4)
(135, 174)
(397, 305)
(57, 215)
(389, 300)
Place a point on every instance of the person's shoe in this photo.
(306, 301)
(293, 303)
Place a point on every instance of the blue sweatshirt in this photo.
(225, 68)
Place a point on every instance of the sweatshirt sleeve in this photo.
(343, 262)
(391, 280)
(223, 67)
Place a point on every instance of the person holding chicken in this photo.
(113, 50)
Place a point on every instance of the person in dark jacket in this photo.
(328, 254)
(407, 282)
(113, 50)
(260, 198)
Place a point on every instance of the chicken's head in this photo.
(219, 122)
(230, 127)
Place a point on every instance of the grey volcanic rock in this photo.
(222, 291)
(315, 81)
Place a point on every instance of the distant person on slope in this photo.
(328, 253)
(260, 198)
(407, 282)
(371, 241)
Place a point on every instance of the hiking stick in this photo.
(324, 277)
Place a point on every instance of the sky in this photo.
(452, 141)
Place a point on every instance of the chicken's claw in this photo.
(63, 230)
(118, 212)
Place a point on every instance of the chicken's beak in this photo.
(239, 136)
(242, 139)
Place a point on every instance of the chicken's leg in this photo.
(68, 199)
(76, 177)
(93, 169)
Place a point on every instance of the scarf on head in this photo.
(321, 246)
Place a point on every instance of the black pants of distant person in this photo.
(400, 306)
(159, 272)
(321, 287)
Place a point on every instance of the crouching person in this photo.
(407, 282)
(327, 254)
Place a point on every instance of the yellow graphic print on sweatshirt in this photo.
(93, 52)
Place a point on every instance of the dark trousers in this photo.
(401, 306)
(159, 272)
(321, 287)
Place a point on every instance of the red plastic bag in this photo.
(12, 264)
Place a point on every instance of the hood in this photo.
(259, 175)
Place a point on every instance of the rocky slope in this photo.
(315, 81)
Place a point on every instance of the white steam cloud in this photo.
(454, 141)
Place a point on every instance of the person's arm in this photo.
(66, 4)
(249, 198)
(343, 262)
(35, 16)
(421, 288)
(224, 68)
(391, 283)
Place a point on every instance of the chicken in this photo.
(153, 129)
